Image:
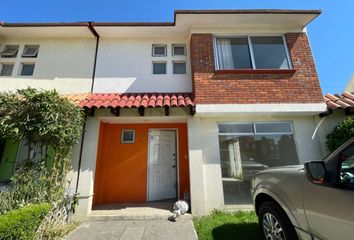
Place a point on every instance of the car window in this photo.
(346, 169)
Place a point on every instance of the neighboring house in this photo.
(184, 109)
(350, 85)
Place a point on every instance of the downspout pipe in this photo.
(95, 34)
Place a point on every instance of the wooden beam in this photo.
(349, 111)
(192, 110)
(90, 112)
(326, 113)
(167, 111)
(115, 111)
(141, 111)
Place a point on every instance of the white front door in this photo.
(162, 180)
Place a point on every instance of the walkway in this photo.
(135, 230)
(146, 221)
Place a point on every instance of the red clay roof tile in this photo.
(345, 100)
(132, 100)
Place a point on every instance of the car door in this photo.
(329, 206)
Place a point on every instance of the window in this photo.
(178, 50)
(252, 53)
(159, 67)
(27, 69)
(6, 69)
(159, 50)
(30, 51)
(128, 136)
(179, 68)
(10, 51)
(246, 148)
(346, 174)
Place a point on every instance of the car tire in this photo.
(274, 222)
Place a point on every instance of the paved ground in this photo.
(135, 230)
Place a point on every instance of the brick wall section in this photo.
(212, 88)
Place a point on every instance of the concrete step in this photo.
(148, 211)
(134, 217)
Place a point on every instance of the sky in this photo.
(331, 34)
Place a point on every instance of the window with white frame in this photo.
(179, 50)
(246, 148)
(179, 67)
(159, 68)
(6, 69)
(128, 136)
(251, 52)
(26, 69)
(159, 50)
(30, 51)
(10, 51)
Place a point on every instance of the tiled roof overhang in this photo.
(343, 101)
(137, 100)
(132, 100)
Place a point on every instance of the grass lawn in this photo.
(226, 226)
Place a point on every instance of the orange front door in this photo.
(122, 168)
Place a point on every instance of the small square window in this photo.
(10, 51)
(27, 69)
(30, 51)
(179, 50)
(159, 68)
(159, 50)
(179, 68)
(6, 69)
(128, 136)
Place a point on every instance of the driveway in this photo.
(135, 230)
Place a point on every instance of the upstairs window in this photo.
(159, 50)
(179, 50)
(27, 69)
(10, 51)
(252, 53)
(30, 51)
(159, 68)
(179, 68)
(6, 69)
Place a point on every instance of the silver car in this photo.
(312, 201)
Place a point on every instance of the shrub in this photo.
(342, 133)
(22, 223)
(45, 119)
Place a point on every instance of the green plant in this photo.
(22, 224)
(40, 118)
(221, 225)
(57, 231)
(341, 133)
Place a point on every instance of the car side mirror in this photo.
(315, 171)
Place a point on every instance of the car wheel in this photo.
(275, 223)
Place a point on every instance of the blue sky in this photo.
(331, 34)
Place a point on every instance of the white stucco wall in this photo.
(125, 65)
(62, 64)
(205, 177)
(90, 148)
(326, 126)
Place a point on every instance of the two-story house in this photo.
(185, 109)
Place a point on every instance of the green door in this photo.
(8, 160)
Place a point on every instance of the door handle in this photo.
(173, 166)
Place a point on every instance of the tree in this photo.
(341, 133)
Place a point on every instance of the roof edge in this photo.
(162, 24)
(249, 11)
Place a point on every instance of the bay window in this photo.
(256, 52)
